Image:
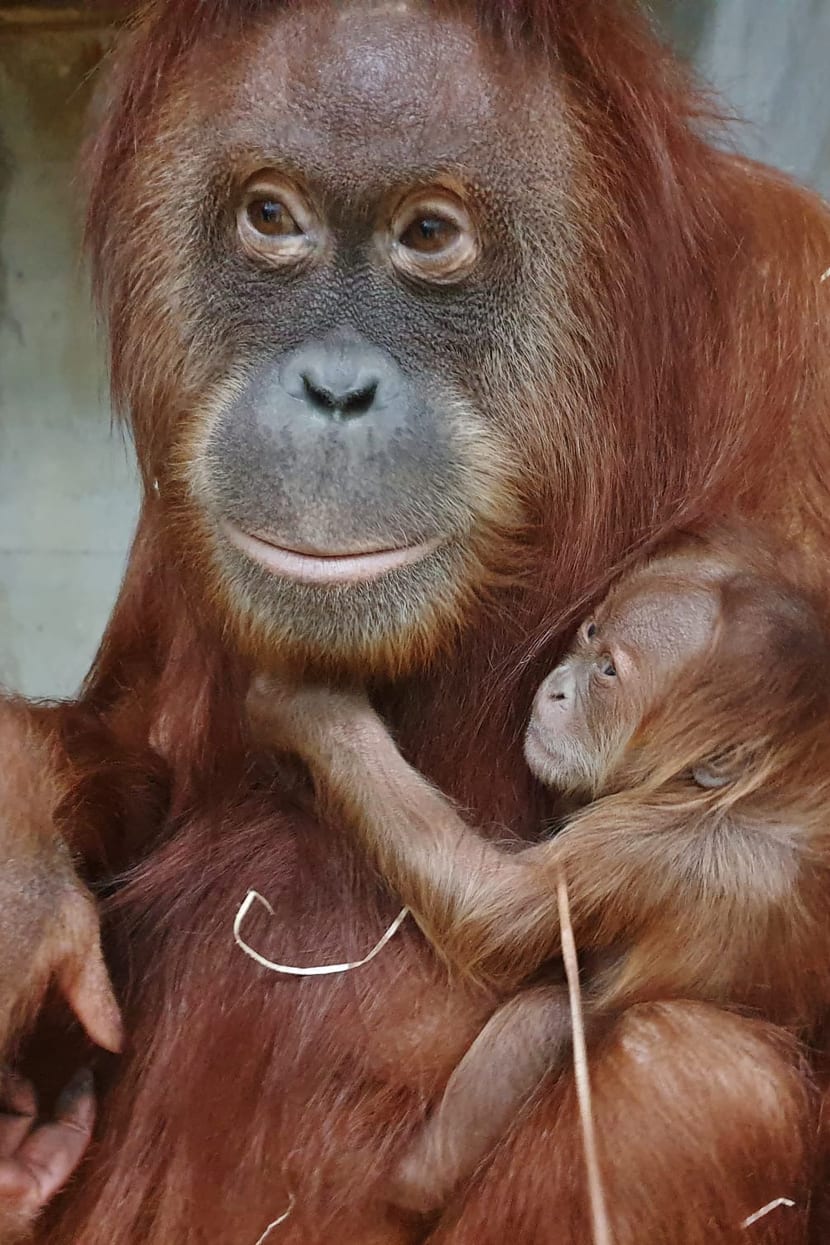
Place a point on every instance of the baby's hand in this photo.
(297, 716)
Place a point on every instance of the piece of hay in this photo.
(277, 1222)
(600, 1225)
(767, 1210)
(317, 970)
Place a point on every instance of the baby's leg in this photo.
(525, 1040)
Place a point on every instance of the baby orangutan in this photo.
(693, 711)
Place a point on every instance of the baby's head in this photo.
(702, 663)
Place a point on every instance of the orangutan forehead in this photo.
(662, 619)
(386, 87)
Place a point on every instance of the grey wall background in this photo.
(67, 484)
(770, 62)
(68, 490)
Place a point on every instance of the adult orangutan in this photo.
(427, 317)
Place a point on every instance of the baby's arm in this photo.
(485, 911)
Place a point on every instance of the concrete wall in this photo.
(769, 60)
(67, 486)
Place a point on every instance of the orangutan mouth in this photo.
(313, 566)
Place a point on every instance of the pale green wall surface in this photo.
(67, 484)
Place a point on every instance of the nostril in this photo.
(346, 402)
(558, 696)
(318, 395)
(359, 400)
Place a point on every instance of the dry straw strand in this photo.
(767, 1210)
(600, 1225)
(276, 1223)
(316, 970)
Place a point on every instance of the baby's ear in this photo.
(714, 774)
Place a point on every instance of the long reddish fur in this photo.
(708, 330)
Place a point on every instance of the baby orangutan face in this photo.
(623, 662)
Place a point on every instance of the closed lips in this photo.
(316, 567)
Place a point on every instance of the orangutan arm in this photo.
(484, 910)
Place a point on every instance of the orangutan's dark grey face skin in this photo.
(357, 476)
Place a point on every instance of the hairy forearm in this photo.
(486, 911)
(489, 913)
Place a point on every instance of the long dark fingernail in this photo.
(82, 1085)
